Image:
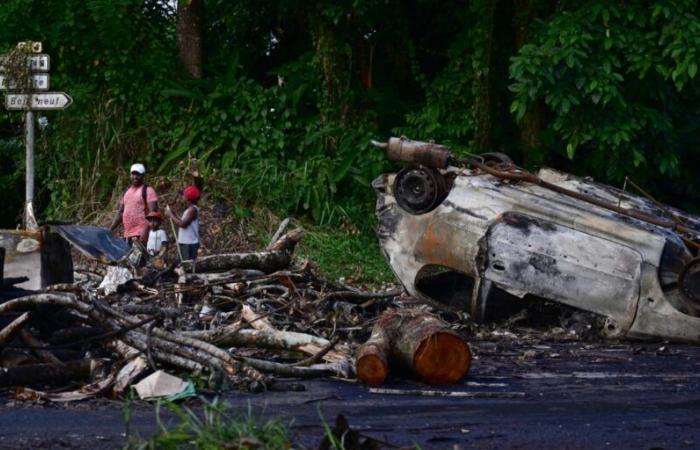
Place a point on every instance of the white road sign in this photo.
(44, 101)
(38, 82)
(37, 63)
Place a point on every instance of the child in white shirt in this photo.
(157, 239)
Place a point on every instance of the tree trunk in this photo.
(418, 341)
(436, 354)
(532, 123)
(483, 79)
(189, 36)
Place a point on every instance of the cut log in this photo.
(416, 340)
(372, 362)
(264, 261)
(435, 353)
(44, 373)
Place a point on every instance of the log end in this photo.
(371, 365)
(442, 358)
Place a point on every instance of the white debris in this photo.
(116, 276)
(160, 384)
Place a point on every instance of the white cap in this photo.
(138, 168)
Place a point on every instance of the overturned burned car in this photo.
(455, 231)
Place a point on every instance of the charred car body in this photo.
(453, 229)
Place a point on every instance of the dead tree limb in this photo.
(278, 233)
(11, 330)
(313, 359)
(340, 369)
(287, 242)
(348, 295)
(36, 348)
(264, 261)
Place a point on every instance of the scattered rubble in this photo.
(237, 319)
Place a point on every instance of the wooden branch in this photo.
(340, 369)
(68, 335)
(129, 373)
(39, 299)
(348, 295)
(10, 331)
(302, 342)
(287, 242)
(264, 261)
(36, 348)
(313, 359)
(278, 233)
(257, 321)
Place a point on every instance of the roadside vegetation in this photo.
(215, 428)
(281, 99)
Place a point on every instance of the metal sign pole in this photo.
(20, 77)
(29, 219)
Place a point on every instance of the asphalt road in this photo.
(522, 392)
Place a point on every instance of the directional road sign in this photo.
(36, 63)
(37, 82)
(44, 101)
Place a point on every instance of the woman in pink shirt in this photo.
(136, 203)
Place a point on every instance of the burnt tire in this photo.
(419, 190)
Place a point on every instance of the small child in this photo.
(188, 232)
(157, 239)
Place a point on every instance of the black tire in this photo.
(419, 190)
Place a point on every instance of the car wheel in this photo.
(419, 189)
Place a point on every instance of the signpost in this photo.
(20, 77)
(43, 102)
(35, 63)
(37, 82)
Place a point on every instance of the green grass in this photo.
(339, 253)
(344, 251)
(216, 428)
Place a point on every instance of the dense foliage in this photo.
(292, 92)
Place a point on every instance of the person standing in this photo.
(188, 224)
(138, 200)
(157, 239)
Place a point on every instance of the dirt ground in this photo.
(525, 390)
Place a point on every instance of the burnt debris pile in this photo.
(237, 320)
